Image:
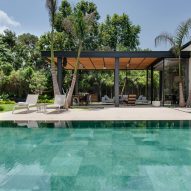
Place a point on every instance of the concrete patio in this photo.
(110, 113)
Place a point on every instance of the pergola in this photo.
(113, 60)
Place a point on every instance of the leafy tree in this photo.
(5, 52)
(16, 84)
(19, 59)
(118, 33)
(9, 39)
(6, 58)
(64, 11)
(61, 42)
(90, 41)
(3, 82)
(29, 50)
(38, 82)
(6, 68)
(28, 39)
(176, 42)
(99, 82)
(79, 24)
(52, 6)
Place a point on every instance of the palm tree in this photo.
(176, 43)
(78, 25)
(52, 6)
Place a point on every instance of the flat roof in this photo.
(99, 60)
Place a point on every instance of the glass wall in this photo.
(170, 83)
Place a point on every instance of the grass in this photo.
(6, 107)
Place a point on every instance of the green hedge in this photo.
(6, 107)
(39, 101)
(45, 101)
(7, 102)
(1, 108)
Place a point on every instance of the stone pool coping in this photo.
(101, 114)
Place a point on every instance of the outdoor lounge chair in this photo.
(142, 100)
(59, 102)
(106, 99)
(30, 101)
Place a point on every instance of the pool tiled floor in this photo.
(95, 159)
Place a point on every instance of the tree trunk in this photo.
(76, 88)
(181, 95)
(181, 92)
(188, 103)
(53, 67)
(123, 88)
(71, 90)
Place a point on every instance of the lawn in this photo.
(6, 107)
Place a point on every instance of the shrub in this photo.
(4, 96)
(1, 108)
(45, 101)
(6, 102)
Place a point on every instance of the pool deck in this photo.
(97, 114)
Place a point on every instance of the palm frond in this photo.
(89, 18)
(182, 32)
(165, 38)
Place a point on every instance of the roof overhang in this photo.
(99, 60)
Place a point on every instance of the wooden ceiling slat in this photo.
(140, 63)
(85, 62)
(109, 63)
(124, 60)
(98, 62)
(81, 65)
(92, 63)
(69, 66)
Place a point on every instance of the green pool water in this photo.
(95, 156)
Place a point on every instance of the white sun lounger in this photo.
(59, 101)
(30, 101)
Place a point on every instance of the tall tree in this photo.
(28, 39)
(91, 40)
(61, 41)
(9, 38)
(52, 7)
(117, 32)
(79, 24)
(64, 11)
(176, 42)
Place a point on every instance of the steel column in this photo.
(151, 84)
(116, 76)
(147, 84)
(163, 82)
(160, 84)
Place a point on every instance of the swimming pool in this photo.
(96, 156)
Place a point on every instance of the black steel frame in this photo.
(160, 55)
